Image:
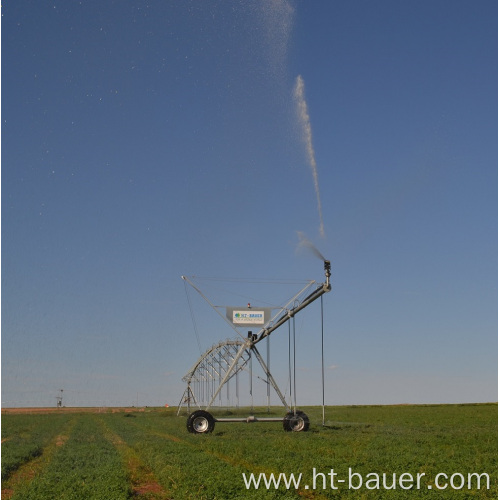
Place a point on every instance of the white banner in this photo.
(248, 317)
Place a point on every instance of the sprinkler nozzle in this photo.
(328, 272)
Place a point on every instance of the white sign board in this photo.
(249, 316)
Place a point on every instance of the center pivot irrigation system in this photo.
(225, 360)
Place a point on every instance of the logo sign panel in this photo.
(248, 316)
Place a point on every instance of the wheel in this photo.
(296, 422)
(200, 422)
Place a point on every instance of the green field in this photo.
(150, 454)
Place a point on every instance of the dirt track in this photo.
(70, 410)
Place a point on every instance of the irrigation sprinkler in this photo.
(226, 361)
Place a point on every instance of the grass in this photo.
(150, 454)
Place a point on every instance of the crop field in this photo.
(148, 453)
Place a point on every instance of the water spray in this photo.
(305, 122)
(304, 242)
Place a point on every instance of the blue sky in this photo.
(146, 140)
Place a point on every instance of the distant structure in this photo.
(59, 399)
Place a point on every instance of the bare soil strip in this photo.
(76, 409)
(144, 482)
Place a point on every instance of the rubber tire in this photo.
(298, 422)
(200, 422)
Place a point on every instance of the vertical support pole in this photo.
(220, 379)
(251, 382)
(212, 375)
(268, 381)
(290, 361)
(322, 361)
(227, 395)
(294, 371)
(237, 389)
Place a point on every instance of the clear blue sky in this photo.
(146, 140)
